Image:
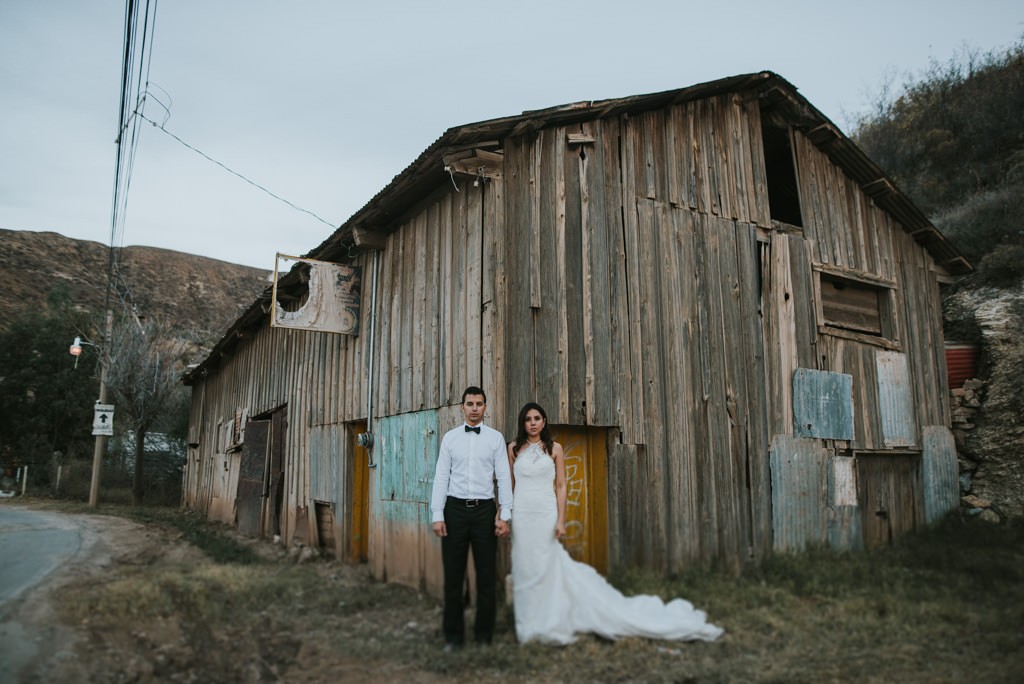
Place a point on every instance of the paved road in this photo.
(32, 545)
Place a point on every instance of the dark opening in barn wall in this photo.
(783, 196)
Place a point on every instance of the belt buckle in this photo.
(472, 503)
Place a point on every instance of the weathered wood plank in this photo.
(418, 319)
(633, 426)
(446, 335)
(518, 208)
(548, 317)
(432, 350)
(497, 306)
(536, 234)
(648, 273)
(755, 399)
(576, 307)
(611, 380)
(682, 398)
(473, 283)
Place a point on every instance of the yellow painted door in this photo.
(358, 547)
(586, 510)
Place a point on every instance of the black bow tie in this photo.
(473, 429)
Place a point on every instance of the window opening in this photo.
(783, 193)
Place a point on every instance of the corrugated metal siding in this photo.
(895, 399)
(844, 528)
(939, 473)
(326, 456)
(799, 493)
(403, 546)
(823, 404)
(961, 364)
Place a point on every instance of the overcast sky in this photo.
(323, 103)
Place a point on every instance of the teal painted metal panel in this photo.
(406, 450)
(895, 399)
(822, 404)
(939, 472)
(799, 493)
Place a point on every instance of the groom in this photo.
(464, 515)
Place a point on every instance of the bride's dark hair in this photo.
(521, 436)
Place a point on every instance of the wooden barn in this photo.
(730, 314)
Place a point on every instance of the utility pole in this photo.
(101, 440)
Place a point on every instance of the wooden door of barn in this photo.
(586, 511)
(274, 490)
(261, 476)
(251, 470)
(889, 494)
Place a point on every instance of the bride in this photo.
(554, 596)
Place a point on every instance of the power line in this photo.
(232, 171)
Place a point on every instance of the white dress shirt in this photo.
(467, 465)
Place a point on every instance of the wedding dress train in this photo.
(555, 597)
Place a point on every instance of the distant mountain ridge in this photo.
(200, 295)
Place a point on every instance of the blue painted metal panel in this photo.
(799, 493)
(939, 472)
(406, 450)
(895, 399)
(822, 404)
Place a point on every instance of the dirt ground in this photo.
(164, 647)
(145, 604)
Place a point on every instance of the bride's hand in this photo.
(560, 531)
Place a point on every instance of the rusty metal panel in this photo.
(822, 404)
(799, 493)
(939, 472)
(895, 399)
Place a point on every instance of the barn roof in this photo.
(384, 212)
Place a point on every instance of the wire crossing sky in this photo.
(302, 112)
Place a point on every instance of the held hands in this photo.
(501, 528)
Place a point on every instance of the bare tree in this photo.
(146, 361)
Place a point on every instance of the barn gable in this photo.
(730, 314)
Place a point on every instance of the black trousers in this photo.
(469, 527)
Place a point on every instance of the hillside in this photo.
(953, 139)
(199, 295)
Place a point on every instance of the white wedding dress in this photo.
(556, 598)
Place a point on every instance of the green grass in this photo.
(945, 605)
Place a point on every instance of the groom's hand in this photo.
(440, 529)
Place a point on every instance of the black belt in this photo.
(468, 503)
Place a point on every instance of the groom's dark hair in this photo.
(473, 389)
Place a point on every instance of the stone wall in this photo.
(988, 413)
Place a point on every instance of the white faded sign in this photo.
(328, 299)
(103, 419)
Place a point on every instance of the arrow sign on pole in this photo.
(103, 419)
